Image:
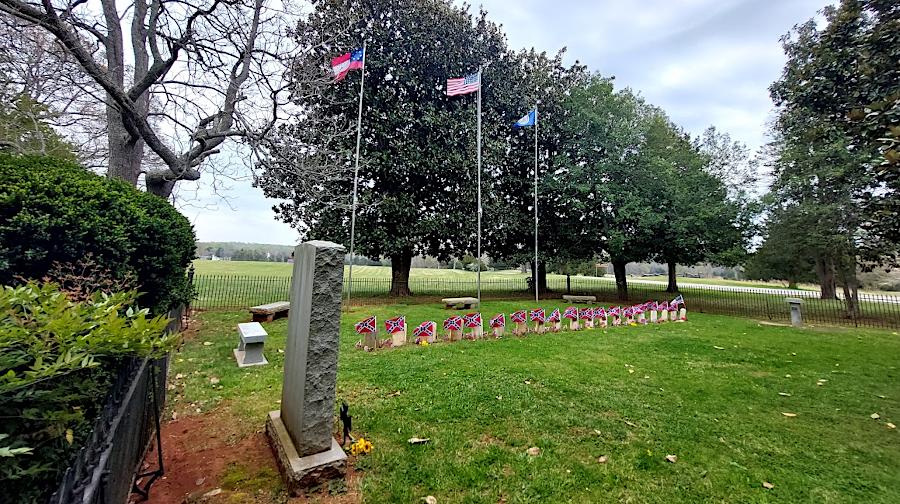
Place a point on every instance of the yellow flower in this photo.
(360, 446)
(424, 343)
(367, 447)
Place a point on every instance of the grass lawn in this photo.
(712, 392)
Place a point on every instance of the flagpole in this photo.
(362, 80)
(478, 258)
(536, 267)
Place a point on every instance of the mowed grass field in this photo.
(252, 268)
(740, 405)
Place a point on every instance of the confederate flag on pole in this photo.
(499, 321)
(367, 325)
(472, 320)
(346, 62)
(519, 316)
(424, 330)
(395, 324)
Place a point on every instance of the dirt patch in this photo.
(206, 452)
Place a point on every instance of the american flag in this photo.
(554, 317)
(537, 315)
(499, 321)
(367, 325)
(677, 301)
(424, 330)
(586, 314)
(519, 316)
(472, 320)
(395, 324)
(465, 85)
(571, 313)
(599, 312)
(453, 324)
(614, 311)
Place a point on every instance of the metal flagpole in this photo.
(536, 267)
(362, 80)
(478, 259)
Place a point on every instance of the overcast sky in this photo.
(705, 62)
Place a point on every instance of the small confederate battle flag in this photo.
(571, 313)
(424, 330)
(537, 315)
(395, 325)
(453, 324)
(554, 317)
(499, 321)
(664, 306)
(614, 311)
(676, 302)
(367, 325)
(638, 309)
(472, 320)
(600, 312)
(519, 316)
(628, 312)
(586, 314)
(654, 306)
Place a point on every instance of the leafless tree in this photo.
(179, 77)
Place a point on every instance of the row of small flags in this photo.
(474, 320)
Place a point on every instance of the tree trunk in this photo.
(825, 270)
(400, 264)
(851, 299)
(792, 281)
(541, 277)
(621, 280)
(673, 283)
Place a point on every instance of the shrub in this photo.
(57, 360)
(52, 211)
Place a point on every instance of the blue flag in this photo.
(530, 119)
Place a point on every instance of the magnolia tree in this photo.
(177, 78)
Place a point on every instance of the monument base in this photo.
(240, 355)
(303, 472)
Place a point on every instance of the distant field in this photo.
(251, 268)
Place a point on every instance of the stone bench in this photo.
(460, 302)
(580, 299)
(250, 351)
(270, 312)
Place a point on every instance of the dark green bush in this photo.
(52, 211)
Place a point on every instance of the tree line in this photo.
(617, 179)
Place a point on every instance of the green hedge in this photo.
(55, 211)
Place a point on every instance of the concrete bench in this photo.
(580, 299)
(460, 302)
(250, 351)
(270, 312)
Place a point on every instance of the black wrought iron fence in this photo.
(881, 311)
(105, 469)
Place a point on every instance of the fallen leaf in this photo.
(891, 426)
(200, 481)
(179, 376)
(768, 485)
(646, 377)
(278, 401)
(822, 380)
(207, 343)
(179, 360)
(602, 460)
(70, 437)
(785, 394)
(534, 450)
(527, 382)
(213, 493)
(499, 397)
(174, 416)
(596, 432)
(630, 424)
(430, 500)
(875, 416)
(789, 414)
(416, 440)
(718, 348)
(671, 458)
(281, 350)
(882, 397)
(787, 376)
(213, 380)
(631, 370)
(392, 394)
